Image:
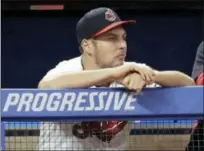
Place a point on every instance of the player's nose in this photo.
(123, 46)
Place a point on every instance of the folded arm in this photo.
(173, 79)
(83, 79)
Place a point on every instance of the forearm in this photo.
(173, 79)
(83, 79)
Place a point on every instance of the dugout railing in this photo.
(162, 117)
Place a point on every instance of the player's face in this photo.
(111, 48)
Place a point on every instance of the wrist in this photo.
(157, 76)
(139, 66)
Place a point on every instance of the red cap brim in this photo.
(113, 25)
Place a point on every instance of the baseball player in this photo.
(196, 142)
(102, 41)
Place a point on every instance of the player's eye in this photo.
(125, 38)
(111, 38)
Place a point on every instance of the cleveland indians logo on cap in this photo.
(109, 15)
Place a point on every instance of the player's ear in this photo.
(87, 46)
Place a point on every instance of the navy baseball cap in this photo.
(97, 22)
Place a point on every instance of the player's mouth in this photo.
(121, 57)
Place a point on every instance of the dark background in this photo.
(165, 37)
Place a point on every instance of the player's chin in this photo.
(118, 63)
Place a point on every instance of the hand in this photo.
(133, 81)
(145, 71)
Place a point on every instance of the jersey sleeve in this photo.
(62, 67)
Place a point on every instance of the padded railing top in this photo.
(101, 104)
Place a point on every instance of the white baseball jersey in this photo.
(59, 136)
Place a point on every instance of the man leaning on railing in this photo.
(102, 42)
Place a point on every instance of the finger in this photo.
(149, 83)
(147, 76)
(131, 83)
(137, 80)
(143, 76)
(151, 78)
(150, 72)
(135, 86)
(141, 85)
(126, 80)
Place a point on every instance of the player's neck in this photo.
(88, 63)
